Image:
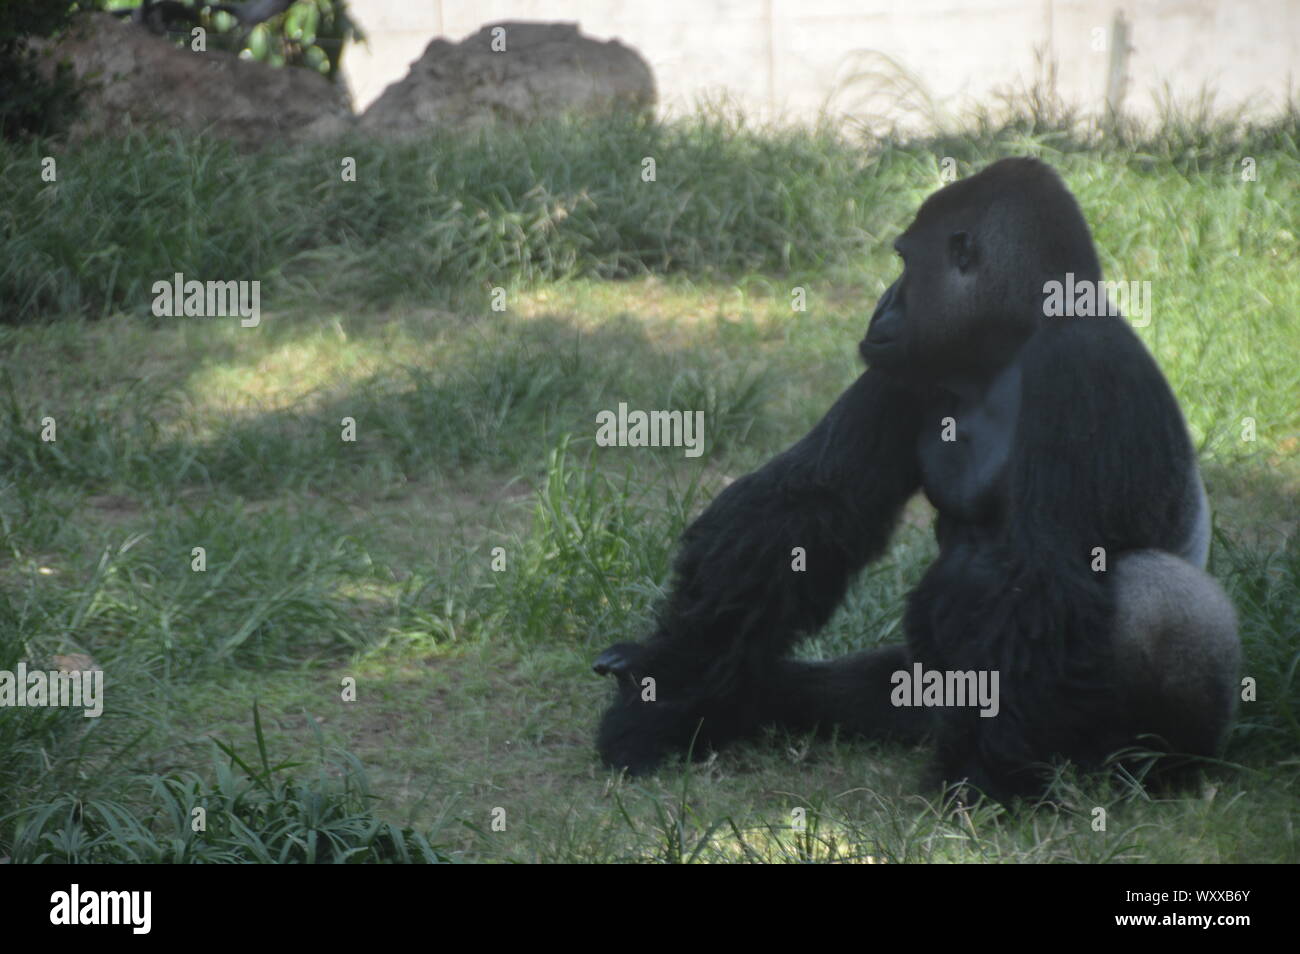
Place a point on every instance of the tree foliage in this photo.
(30, 102)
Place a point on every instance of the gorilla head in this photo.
(975, 259)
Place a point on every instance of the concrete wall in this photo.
(790, 58)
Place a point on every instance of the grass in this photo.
(461, 561)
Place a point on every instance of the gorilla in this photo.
(1072, 525)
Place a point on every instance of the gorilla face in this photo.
(883, 346)
(925, 324)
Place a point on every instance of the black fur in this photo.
(1068, 439)
(736, 608)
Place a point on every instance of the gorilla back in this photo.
(1072, 524)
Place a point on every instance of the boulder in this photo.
(546, 69)
(139, 79)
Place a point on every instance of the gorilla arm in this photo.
(739, 602)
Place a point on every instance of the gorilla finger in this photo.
(617, 660)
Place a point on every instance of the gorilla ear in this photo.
(961, 250)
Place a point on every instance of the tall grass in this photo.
(253, 811)
(452, 211)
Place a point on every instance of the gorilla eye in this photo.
(961, 250)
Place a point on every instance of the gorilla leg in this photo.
(1088, 666)
(765, 564)
(850, 695)
(1177, 651)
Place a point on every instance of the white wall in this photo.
(787, 57)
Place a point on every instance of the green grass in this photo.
(373, 560)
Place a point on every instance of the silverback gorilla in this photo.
(1072, 526)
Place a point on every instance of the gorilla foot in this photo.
(640, 729)
(637, 736)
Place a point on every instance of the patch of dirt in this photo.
(114, 507)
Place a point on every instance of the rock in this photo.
(139, 79)
(546, 69)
